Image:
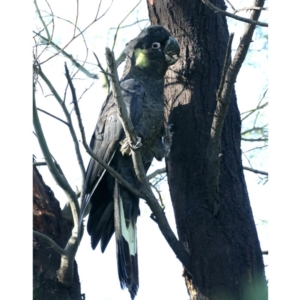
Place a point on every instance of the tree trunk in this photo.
(223, 244)
(47, 220)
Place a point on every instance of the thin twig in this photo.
(70, 57)
(66, 187)
(68, 21)
(37, 164)
(46, 29)
(41, 19)
(232, 7)
(223, 12)
(256, 148)
(255, 140)
(254, 129)
(248, 160)
(256, 171)
(103, 72)
(156, 172)
(45, 112)
(250, 112)
(71, 128)
(125, 26)
(75, 36)
(116, 34)
(45, 238)
(250, 8)
(159, 195)
(61, 181)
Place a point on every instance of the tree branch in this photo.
(223, 99)
(249, 8)
(254, 129)
(72, 132)
(45, 238)
(214, 145)
(58, 177)
(45, 112)
(223, 12)
(89, 150)
(156, 172)
(65, 273)
(80, 32)
(42, 20)
(256, 171)
(70, 57)
(37, 164)
(255, 140)
(159, 195)
(116, 34)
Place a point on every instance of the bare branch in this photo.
(37, 164)
(223, 12)
(89, 150)
(223, 99)
(116, 34)
(65, 273)
(159, 195)
(46, 29)
(50, 242)
(259, 106)
(250, 8)
(156, 172)
(129, 25)
(254, 129)
(232, 7)
(45, 112)
(42, 20)
(214, 144)
(106, 83)
(121, 107)
(255, 140)
(72, 196)
(256, 148)
(60, 180)
(225, 67)
(80, 33)
(70, 57)
(256, 171)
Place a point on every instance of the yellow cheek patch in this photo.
(141, 59)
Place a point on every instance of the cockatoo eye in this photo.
(156, 45)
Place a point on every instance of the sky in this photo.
(161, 274)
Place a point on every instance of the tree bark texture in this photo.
(47, 220)
(223, 244)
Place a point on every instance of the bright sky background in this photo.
(160, 271)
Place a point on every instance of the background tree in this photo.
(189, 59)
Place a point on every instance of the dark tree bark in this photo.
(47, 220)
(223, 244)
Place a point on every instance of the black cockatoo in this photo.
(148, 57)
